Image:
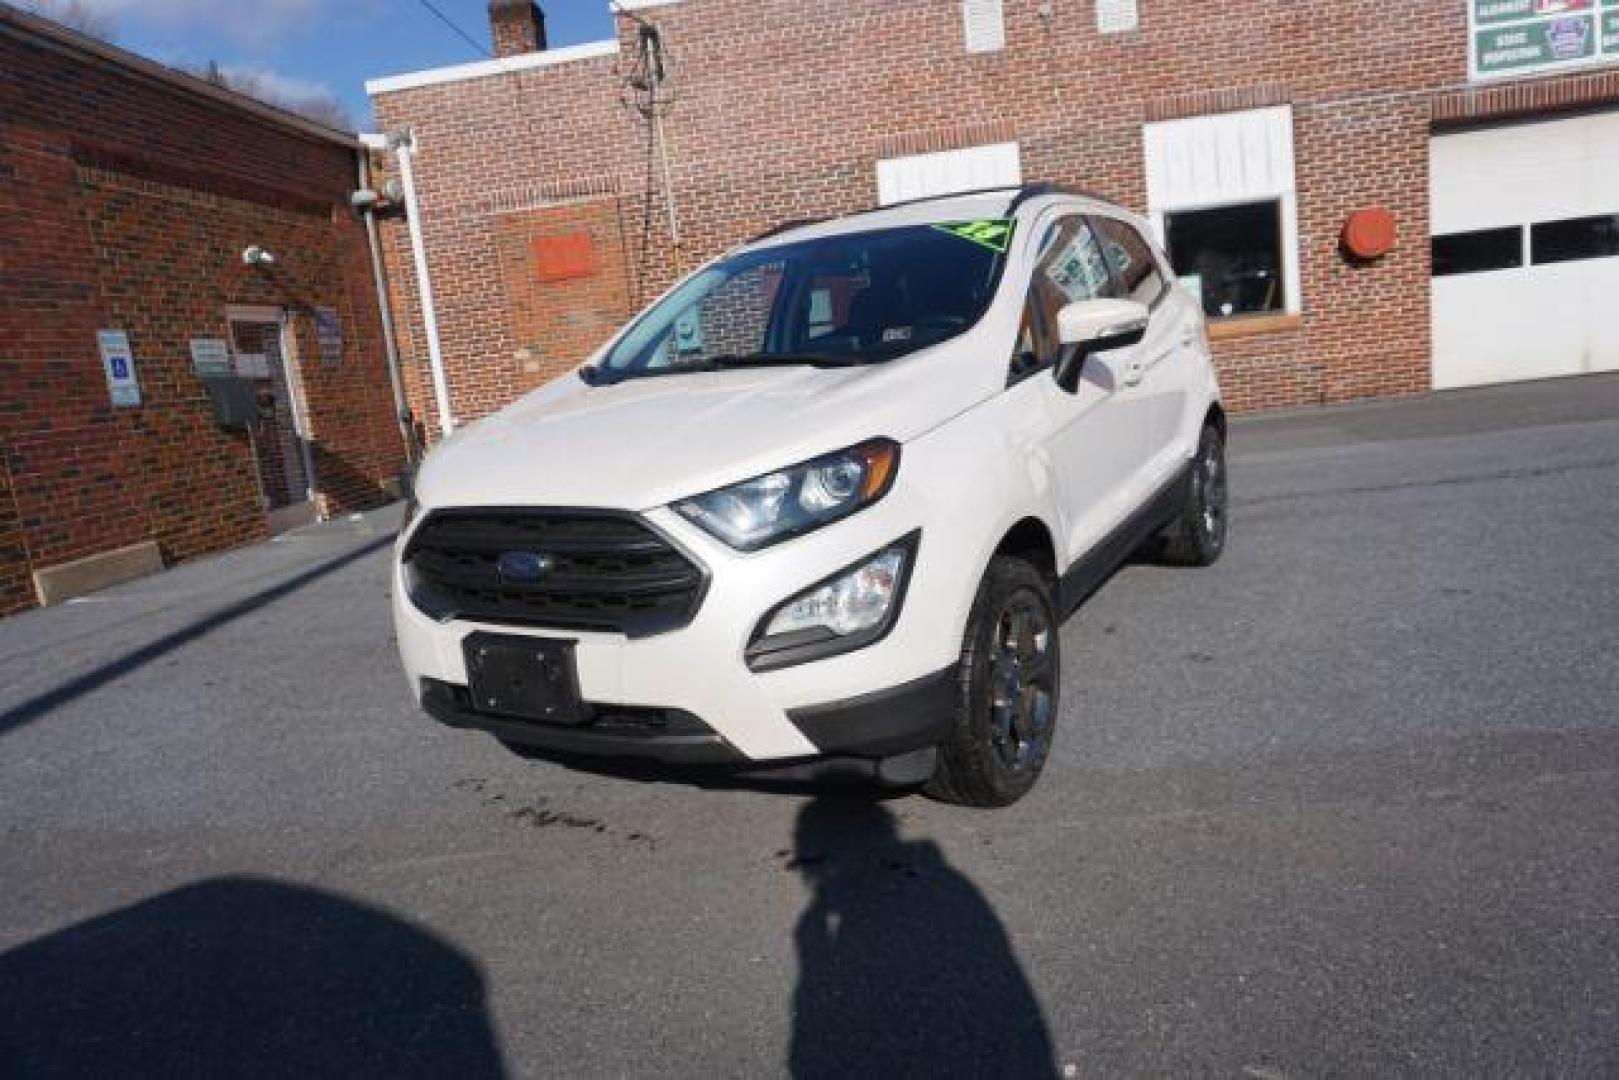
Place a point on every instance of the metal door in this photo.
(264, 350)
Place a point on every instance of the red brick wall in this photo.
(125, 204)
(783, 108)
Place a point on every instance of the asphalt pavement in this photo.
(1346, 803)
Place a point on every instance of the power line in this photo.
(462, 34)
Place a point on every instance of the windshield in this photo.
(856, 298)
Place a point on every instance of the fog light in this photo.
(856, 601)
(848, 611)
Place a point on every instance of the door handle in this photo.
(1134, 371)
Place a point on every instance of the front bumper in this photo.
(701, 669)
(883, 724)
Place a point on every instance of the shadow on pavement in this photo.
(237, 976)
(36, 707)
(904, 969)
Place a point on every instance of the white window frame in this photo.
(983, 25)
(924, 176)
(1227, 159)
(1117, 16)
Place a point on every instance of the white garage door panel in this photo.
(1535, 321)
(1525, 172)
(1514, 324)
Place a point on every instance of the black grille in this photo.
(608, 571)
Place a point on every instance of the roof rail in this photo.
(786, 226)
(1020, 193)
(1034, 191)
(997, 190)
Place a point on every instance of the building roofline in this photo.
(481, 69)
(20, 24)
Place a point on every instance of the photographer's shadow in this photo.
(243, 976)
(903, 967)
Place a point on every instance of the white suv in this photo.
(830, 497)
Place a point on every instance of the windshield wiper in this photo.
(745, 360)
(596, 376)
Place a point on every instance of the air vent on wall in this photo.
(985, 24)
(1117, 16)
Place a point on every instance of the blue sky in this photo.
(301, 45)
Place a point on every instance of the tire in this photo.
(1007, 691)
(1197, 536)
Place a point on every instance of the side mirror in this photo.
(1087, 327)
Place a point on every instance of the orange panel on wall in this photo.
(565, 257)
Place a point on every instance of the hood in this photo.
(645, 443)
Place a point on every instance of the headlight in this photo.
(853, 608)
(761, 511)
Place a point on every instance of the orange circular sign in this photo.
(1370, 234)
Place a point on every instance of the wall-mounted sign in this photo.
(253, 365)
(119, 362)
(1527, 37)
(565, 257)
(329, 332)
(210, 357)
(689, 332)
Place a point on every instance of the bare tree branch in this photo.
(73, 14)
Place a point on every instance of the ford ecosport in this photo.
(831, 496)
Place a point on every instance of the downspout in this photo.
(403, 143)
(390, 340)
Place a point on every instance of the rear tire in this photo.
(1007, 687)
(1197, 537)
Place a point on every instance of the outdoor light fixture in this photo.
(258, 256)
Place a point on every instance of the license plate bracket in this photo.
(524, 678)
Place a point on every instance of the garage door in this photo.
(1525, 221)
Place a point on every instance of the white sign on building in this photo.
(119, 362)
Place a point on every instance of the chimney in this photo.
(516, 26)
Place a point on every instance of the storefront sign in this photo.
(119, 363)
(210, 357)
(1526, 37)
(329, 332)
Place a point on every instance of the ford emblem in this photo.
(523, 566)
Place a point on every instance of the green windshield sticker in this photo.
(993, 233)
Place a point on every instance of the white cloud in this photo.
(249, 22)
(277, 86)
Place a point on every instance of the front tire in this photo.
(1198, 535)
(1008, 684)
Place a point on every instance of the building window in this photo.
(1575, 238)
(1478, 251)
(1117, 16)
(1221, 191)
(1230, 258)
(985, 24)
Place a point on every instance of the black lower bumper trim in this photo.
(908, 717)
(665, 735)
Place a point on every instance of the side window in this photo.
(1070, 267)
(1132, 260)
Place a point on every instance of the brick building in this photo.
(1251, 132)
(129, 194)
